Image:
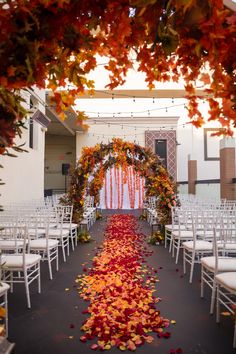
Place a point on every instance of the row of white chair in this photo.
(208, 237)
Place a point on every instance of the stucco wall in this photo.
(24, 175)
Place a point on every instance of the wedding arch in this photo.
(87, 177)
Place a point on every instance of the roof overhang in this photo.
(230, 4)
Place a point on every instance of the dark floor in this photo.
(53, 324)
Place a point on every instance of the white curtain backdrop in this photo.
(132, 191)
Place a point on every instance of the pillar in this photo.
(192, 175)
(227, 168)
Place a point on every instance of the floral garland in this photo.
(131, 187)
(95, 161)
(120, 289)
(111, 190)
(105, 194)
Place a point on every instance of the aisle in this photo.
(53, 324)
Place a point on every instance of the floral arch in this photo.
(95, 161)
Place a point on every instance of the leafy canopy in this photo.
(53, 43)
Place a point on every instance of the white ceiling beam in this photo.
(139, 94)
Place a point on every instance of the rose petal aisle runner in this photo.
(120, 288)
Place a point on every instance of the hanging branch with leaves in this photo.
(54, 43)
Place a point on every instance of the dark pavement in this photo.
(53, 324)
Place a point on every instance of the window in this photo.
(161, 150)
(31, 127)
(211, 145)
(31, 133)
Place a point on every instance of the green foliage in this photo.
(84, 236)
(156, 238)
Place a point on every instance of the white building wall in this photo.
(24, 175)
(58, 150)
(124, 128)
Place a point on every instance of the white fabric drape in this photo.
(131, 189)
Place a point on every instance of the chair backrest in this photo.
(223, 238)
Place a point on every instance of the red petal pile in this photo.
(120, 290)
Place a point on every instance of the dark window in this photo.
(31, 133)
(161, 150)
(31, 127)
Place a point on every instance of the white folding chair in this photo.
(22, 267)
(46, 247)
(226, 296)
(218, 263)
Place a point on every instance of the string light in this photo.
(133, 99)
(141, 127)
(137, 112)
(136, 134)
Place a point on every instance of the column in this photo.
(227, 168)
(192, 175)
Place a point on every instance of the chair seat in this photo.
(204, 233)
(184, 234)
(228, 280)
(16, 261)
(200, 245)
(227, 246)
(10, 244)
(58, 233)
(42, 243)
(225, 264)
(3, 288)
(68, 226)
(171, 227)
(39, 231)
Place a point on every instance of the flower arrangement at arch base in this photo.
(83, 236)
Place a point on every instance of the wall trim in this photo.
(205, 181)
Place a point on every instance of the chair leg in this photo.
(184, 261)
(63, 251)
(213, 295)
(68, 246)
(171, 241)
(202, 283)
(217, 304)
(192, 268)
(177, 252)
(39, 279)
(27, 289)
(173, 247)
(57, 262)
(49, 264)
(72, 240)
